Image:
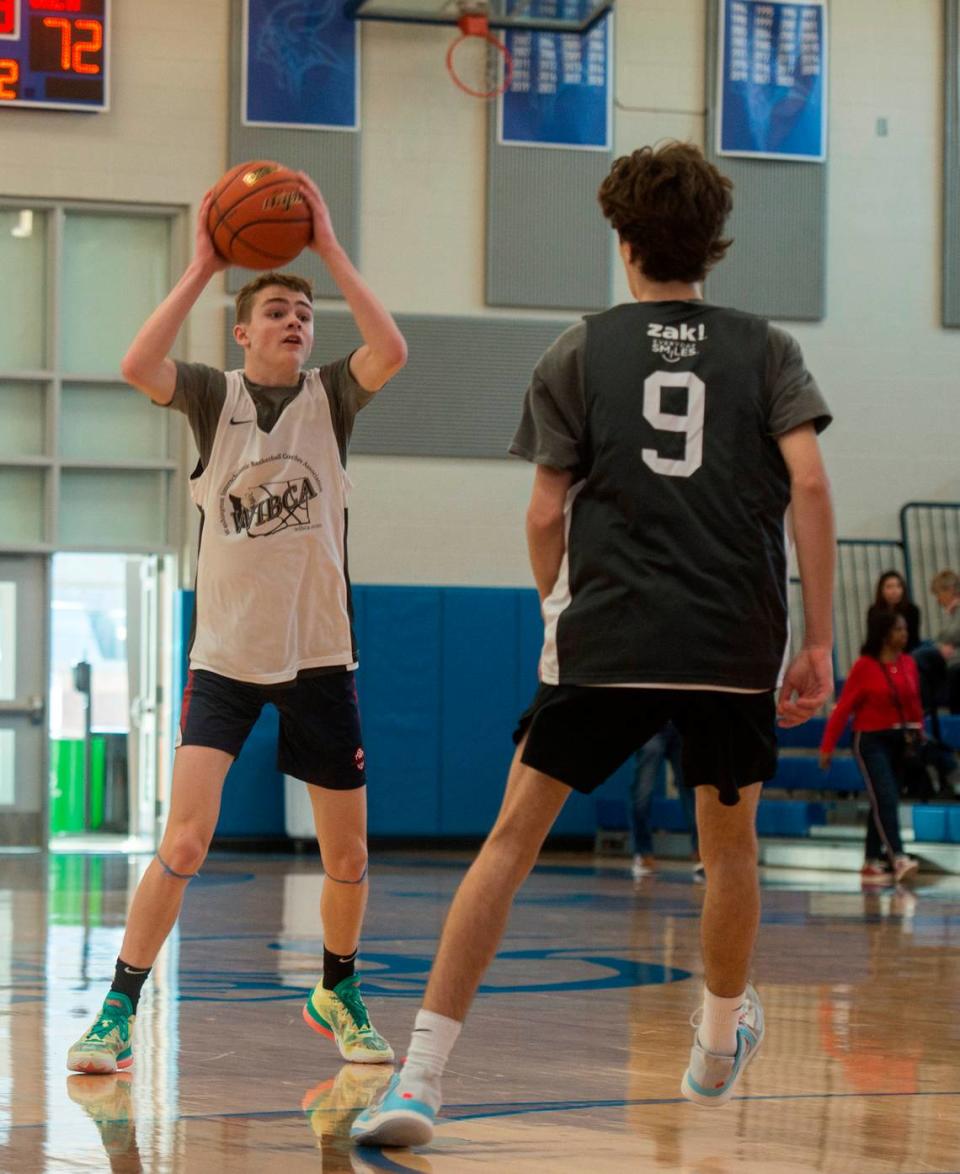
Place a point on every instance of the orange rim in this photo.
(476, 26)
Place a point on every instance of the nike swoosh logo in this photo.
(129, 971)
(232, 421)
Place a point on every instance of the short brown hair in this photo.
(669, 205)
(945, 581)
(244, 300)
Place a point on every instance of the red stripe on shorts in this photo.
(185, 703)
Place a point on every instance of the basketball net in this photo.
(499, 59)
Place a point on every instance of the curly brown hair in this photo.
(244, 299)
(669, 205)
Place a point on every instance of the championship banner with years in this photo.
(561, 91)
(301, 65)
(772, 79)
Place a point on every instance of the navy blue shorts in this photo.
(320, 740)
(579, 735)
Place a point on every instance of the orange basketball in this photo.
(259, 218)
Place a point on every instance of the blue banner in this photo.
(301, 65)
(772, 99)
(560, 94)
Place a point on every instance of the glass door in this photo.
(23, 658)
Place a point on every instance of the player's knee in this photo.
(515, 849)
(346, 862)
(731, 851)
(184, 851)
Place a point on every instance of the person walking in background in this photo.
(882, 693)
(892, 595)
(663, 747)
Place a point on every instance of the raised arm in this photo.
(147, 364)
(546, 535)
(384, 349)
(809, 678)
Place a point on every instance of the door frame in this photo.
(24, 822)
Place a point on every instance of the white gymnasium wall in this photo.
(162, 142)
(886, 366)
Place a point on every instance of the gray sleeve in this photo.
(793, 397)
(950, 632)
(346, 398)
(554, 408)
(200, 394)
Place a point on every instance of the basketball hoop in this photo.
(476, 24)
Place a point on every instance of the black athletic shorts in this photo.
(319, 740)
(579, 735)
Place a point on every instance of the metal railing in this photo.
(860, 563)
(931, 543)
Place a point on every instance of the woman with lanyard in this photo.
(883, 694)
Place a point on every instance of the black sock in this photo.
(128, 980)
(336, 969)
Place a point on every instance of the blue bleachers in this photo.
(809, 736)
(935, 823)
(775, 817)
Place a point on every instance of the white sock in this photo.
(430, 1046)
(721, 1018)
(431, 1043)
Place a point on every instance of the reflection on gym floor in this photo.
(571, 1059)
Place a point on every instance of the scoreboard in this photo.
(54, 54)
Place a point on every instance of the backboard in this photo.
(546, 16)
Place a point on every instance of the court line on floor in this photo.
(451, 1113)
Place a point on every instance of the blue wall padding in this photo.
(399, 684)
(481, 698)
(252, 803)
(444, 674)
(667, 815)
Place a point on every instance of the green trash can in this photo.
(66, 784)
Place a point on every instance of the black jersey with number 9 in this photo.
(675, 570)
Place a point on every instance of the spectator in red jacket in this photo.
(883, 694)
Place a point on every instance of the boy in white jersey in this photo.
(669, 437)
(272, 609)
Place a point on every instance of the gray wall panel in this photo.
(332, 158)
(951, 176)
(548, 246)
(777, 264)
(461, 391)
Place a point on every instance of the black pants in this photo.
(879, 756)
(939, 682)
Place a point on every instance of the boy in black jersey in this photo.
(669, 438)
(272, 609)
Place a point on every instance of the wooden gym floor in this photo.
(570, 1062)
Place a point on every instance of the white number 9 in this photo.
(691, 424)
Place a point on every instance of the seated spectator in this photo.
(938, 660)
(882, 693)
(892, 595)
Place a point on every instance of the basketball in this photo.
(259, 218)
